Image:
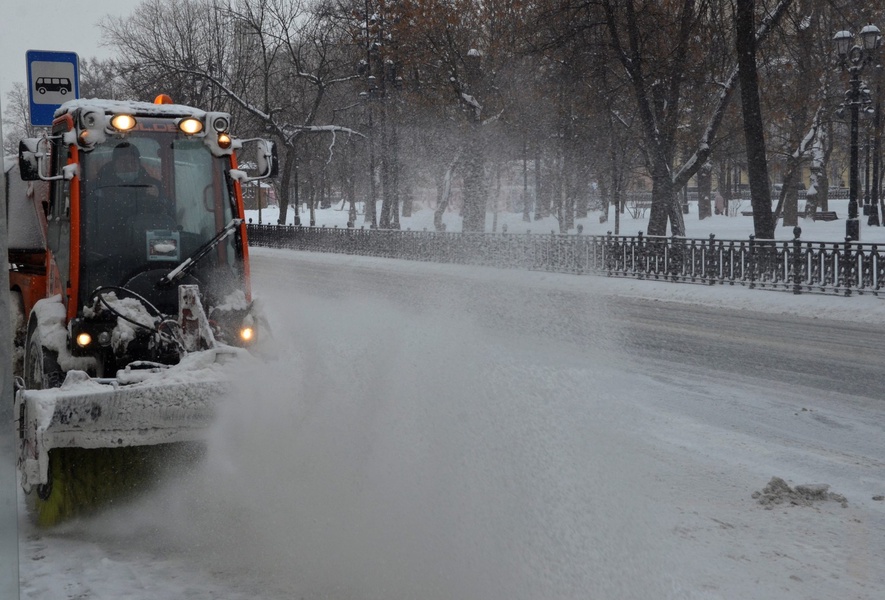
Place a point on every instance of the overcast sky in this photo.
(51, 25)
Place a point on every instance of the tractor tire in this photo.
(41, 369)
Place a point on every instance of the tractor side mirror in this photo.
(268, 163)
(28, 163)
(32, 160)
(259, 156)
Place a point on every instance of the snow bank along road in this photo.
(458, 433)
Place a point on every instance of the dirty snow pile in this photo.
(778, 492)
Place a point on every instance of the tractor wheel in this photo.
(41, 370)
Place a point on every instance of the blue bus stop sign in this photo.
(53, 79)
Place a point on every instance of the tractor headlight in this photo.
(123, 122)
(247, 334)
(190, 126)
(88, 336)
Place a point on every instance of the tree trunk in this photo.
(325, 196)
(605, 199)
(370, 214)
(791, 207)
(569, 177)
(757, 166)
(665, 206)
(557, 187)
(705, 190)
(539, 197)
(389, 218)
(289, 172)
(474, 193)
(384, 219)
(404, 186)
(350, 192)
(394, 176)
(443, 194)
(526, 205)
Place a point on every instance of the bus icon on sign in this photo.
(61, 85)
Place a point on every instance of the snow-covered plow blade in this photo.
(110, 417)
(63, 431)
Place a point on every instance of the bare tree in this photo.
(658, 92)
(16, 118)
(453, 55)
(102, 79)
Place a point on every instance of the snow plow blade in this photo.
(138, 408)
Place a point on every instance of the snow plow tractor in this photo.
(129, 274)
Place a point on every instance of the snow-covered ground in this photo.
(406, 444)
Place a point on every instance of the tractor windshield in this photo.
(148, 201)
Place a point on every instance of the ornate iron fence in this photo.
(796, 265)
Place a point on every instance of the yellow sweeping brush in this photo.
(84, 480)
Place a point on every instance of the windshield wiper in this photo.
(191, 261)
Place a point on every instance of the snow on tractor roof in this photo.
(144, 109)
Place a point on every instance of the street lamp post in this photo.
(854, 58)
(866, 176)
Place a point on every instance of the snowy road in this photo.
(435, 432)
(829, 356)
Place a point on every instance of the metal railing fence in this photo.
(797, 266)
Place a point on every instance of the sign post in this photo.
(53, 79)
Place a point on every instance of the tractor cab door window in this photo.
(199, 177)
(59, 218)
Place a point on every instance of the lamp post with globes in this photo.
(853, 58)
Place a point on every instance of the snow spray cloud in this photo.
(423, 448)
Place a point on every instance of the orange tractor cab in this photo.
(129, 268)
